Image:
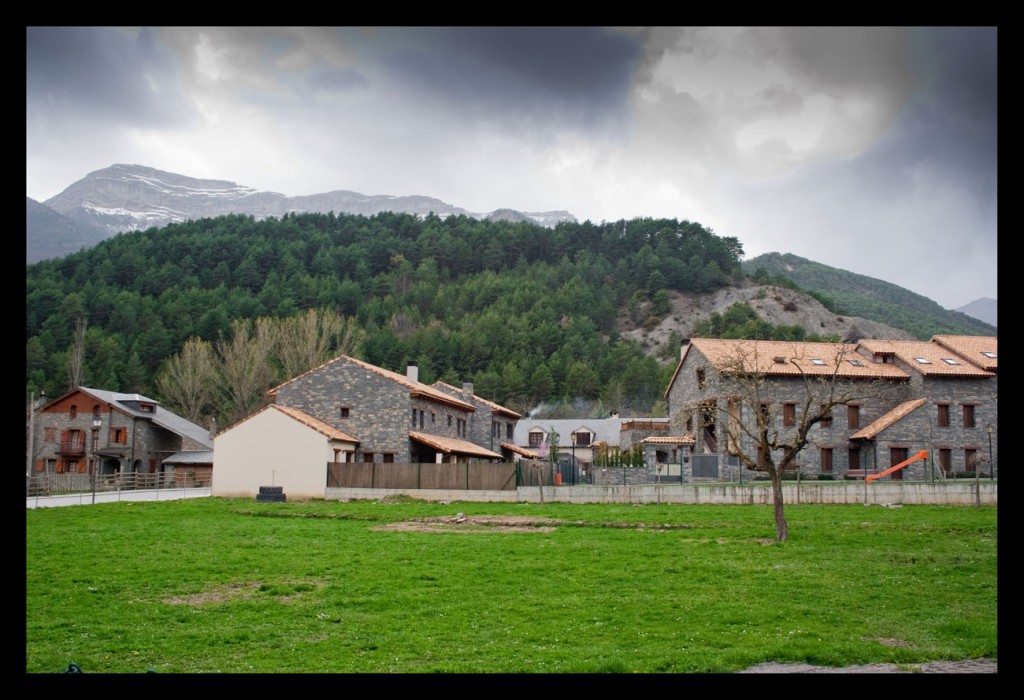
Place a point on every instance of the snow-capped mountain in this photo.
(134, 197)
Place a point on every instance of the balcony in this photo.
(72, 448)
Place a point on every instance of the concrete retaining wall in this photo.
(946, 494)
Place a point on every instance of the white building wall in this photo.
(271, 449)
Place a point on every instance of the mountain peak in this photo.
(131, 197)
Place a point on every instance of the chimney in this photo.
(213, 427)
(412, 372)
(467, 389)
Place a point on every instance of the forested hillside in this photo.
(526, 313)
(851, 294)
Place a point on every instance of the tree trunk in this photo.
(781, 527)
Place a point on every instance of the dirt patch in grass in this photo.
(230, 591)
(475, 523)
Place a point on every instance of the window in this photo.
(460, 427)
(368, 457)
(826, 422)
(853, 416)
(826, 459)
(421, 419)
(433, 417)
(789, 414)
(388, 457)
(817, 361)
(945, 459)
(144, 407)
(583, 438)
(344, 411)
(950, 361)
(414, 417)
(74, 411)
(853, 457)
(971, 459)
(536, 439)
(95, 411)
(119, 436)
(760, 457)
(943, 415)
(449, 420)
(968, 415)
(922, 360)
(509, 431)
(856, 363)
(495, 429)
(701, 379)
(988, 354)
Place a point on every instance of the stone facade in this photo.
(380, 408)
(133, 436)
(888, 430)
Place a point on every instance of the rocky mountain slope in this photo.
(775, 305)
(133, 197)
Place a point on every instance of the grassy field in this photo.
(212, 585)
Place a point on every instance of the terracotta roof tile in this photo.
(928, 358)
(885, 420)
(977, 349)
(520, 450)
(496, 408)
(793, 358)
(314, 423)
(669, 440)
(449, 445)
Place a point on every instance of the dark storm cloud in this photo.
(101, 73)
(580, 75)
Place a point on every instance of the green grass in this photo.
(214, 585)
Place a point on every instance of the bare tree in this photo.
(245, 372)
(188, 381)
(805, 393)
(303, 342)
(77, 354)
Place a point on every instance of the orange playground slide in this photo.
(920, 455)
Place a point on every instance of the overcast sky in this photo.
(868, 149)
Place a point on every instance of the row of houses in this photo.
(941, 396)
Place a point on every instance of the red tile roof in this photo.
(793, 358)
(496, 408)
(973, 348)
(449, 445)
(314, 423)
(885, 420)
(930, 359)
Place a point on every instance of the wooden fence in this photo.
(468, 476)
(55, 484)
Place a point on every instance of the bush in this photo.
(825, 476)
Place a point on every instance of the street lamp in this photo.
(991, 464)
(572, 479)
(97, 422)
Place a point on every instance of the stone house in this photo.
(347, 410)
(89, 431)
(492, 425)
(922, 385)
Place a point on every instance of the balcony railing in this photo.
(72, 448)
